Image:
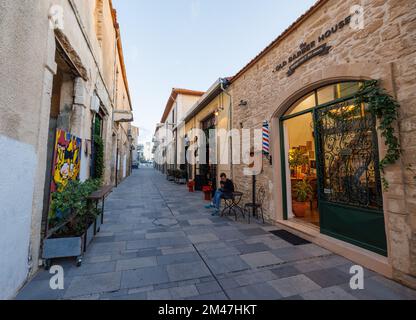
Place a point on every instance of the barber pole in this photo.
(266, 138)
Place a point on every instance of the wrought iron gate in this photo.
(350, 192)
(348, 156)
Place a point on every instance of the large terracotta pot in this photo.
(299, 208)
(207, 190)
(191, 186)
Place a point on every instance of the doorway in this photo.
(60, 118)
(332, 178)
(208, 169)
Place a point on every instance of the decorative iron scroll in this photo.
(348, 156)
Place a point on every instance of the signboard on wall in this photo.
(310, 50)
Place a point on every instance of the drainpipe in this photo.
(117, 158)
(230, 123)
(115, 88)
(115, 93)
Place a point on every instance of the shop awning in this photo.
(123, 116)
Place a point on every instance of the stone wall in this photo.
(24, 94)
(221, 100)
(28, 50)
(385, 49)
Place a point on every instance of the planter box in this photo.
(63, 248)
(98, 223)
(67, 247)
(89, 236)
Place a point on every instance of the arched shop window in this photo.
(330, 155)
(324, 95)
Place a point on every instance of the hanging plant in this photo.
(98, 157)
(385, 108)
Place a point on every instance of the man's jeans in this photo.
(217, 199)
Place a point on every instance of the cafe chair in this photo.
(249, 208)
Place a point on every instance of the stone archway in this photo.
(299, 89)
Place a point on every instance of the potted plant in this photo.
(297, 159)
(207, 190)
(191, 185)
(72, 222)
(302, 195)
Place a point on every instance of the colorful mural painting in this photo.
(67, 160)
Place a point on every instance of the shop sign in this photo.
(307, 51)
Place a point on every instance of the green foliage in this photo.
(71, 207)
(385, 108)
(98, 157)
(303, 191)
(297, 158)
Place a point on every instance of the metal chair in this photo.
(261, 195)
(231, 203)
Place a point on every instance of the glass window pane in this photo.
(346, 89)
(326, 94)
(303, 104)
(301, 176)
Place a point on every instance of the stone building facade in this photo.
(374, 41)
(170, 131)
(64, 63)
(214, 110)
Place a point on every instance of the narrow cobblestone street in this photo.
(159, 242)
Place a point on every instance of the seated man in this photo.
(225, 192)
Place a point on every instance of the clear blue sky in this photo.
(191, 43)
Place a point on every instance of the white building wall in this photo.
(23, 131)
(27, 53)
(17, 172)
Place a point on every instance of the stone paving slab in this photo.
(186, 271)
(98, 283)
(158, 242)
(294, 285)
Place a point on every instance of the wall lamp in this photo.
(218, 110)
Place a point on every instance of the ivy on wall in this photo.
(385, 108)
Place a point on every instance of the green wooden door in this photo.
(349, 183)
